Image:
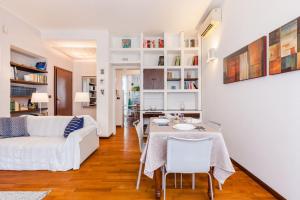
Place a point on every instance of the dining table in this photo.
(155, 151)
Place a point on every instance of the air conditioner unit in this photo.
(213, 19)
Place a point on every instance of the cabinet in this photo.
(153, 79)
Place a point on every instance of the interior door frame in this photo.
(55, 88)
(114, 96)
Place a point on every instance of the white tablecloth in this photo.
(154, 154)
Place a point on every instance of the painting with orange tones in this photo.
(247, 63)
(284, 45)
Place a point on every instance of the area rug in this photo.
(24, 195)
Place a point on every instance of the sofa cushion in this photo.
(31, 153)
(13, 127)
(75, 124)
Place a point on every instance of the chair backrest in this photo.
(188, 155)
(215, 125)
(139, 131)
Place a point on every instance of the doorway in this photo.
(127, 104)
(63, 100)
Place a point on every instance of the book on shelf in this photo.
(39, 78)
(190, 85)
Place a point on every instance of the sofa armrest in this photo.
(81, 133)
(73, 142)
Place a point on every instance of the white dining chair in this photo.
(188, 156)
(139, 131)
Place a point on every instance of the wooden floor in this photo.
(110, 173)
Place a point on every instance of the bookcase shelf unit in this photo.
(170, 74)
(25, 79)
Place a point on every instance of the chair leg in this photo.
(175, 181)
(165, 185)
(193, 181)
(162, 178)
(181, 180)
(211, 187)
(139, 176)
(220, 186)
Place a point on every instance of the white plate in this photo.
(161, 121)
(184, 127)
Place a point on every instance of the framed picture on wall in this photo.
(284, 45)
(247, 63)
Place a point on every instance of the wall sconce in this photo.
(211, 55)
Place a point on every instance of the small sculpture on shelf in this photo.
(177, 61)
(161, 61)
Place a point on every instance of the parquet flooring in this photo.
(110, 174)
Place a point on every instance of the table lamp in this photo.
(82, 97)
(40, 98)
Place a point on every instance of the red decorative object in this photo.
(195, 60)
(161, 43)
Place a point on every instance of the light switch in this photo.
(4, 29)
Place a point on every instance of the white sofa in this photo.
(46, 148)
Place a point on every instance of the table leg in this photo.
(158, 183)
(211, 171)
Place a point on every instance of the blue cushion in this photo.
(13, 127)
(75, 124)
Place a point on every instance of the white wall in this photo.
(104, 106)
(260, 117)
(81, 69)
(28, 38)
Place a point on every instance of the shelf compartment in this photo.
(191, 40)
(153, 37)
(172, 57)
(173, 40)
(173, 79)
(188, 99)
(28, 111)
(152, 58)
(26, 68)
(116, 41)
(126, 57)
(26, 82)
(190, 58)
(153, 101)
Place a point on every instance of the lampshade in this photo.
(211, 55)
(82, 97)
(39, 98)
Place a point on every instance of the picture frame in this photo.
(126, 43)
(284, 48)
(247, 63)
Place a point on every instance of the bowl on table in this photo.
(161, 121)
(184, 127)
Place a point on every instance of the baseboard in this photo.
(260, 182)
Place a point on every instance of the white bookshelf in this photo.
(175, 91)
(26, 78)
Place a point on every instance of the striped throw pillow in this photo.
(75, 124)
(13, 127)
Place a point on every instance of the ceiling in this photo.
(77, 50)
(122, 16)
